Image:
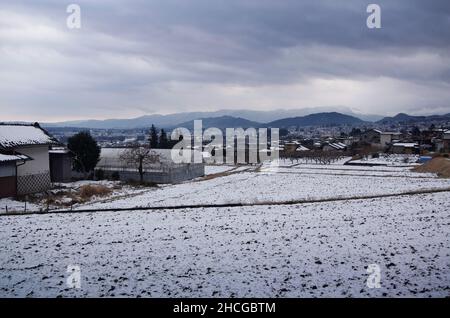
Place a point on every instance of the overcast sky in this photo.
(132, 58)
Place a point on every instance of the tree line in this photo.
(160, 140)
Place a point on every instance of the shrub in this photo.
(88, 191)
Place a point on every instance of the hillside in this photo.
(405, 118)
(319, 119)
(222, 122)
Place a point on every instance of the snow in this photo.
(211, 169)
(406, 145)
(12, 205)
(65, 195)
(302, 148)
(22, 135)
(274, 249)
(338, 145)
(279, 185)
(5, 158)
(59, 151)
(309, 250)
(390, 160)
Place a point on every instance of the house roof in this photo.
(17, 135)
(338, 145)
(405, 144)
(302, 148)
(59, 150)
(9, 158)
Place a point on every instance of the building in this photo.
(405, 148)
(372, 136)
(387, 138)
(291, 146)
(162, 171)
(446, 140)
(8, 174)
(60, 165)
(335, 146)
(31, 144)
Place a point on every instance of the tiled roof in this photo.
(16, 135)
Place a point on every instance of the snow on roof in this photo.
(405, 144)
(446, 133)
(59, 150)
(302, 148)
(6, 158)
(16, 135)
(338, 145)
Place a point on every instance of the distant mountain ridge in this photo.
(222, 122)
(319, 119)
(235, 118)
(171, 120)
(408, 119)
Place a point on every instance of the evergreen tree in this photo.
(163, 140)
(85, 150)
(153, 137)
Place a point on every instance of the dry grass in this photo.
(438, 165)
(88, 191)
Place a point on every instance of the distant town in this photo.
(412, 134)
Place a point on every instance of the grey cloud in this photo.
(137, 56)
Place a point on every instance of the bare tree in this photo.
(138, 157)
(316, 156)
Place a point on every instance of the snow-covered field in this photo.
(317, 249)
(9, 204)
(391, 160)
(211, 169)
(282, 184)
(268, 250)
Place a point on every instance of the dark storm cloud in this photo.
(169, 55)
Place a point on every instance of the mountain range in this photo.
(403, 118)
(246, 118)
(172, 120)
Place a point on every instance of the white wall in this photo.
(40, 163)
(385, 139)
(8, 169)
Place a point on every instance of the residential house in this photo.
(446, 140)
(405, 148)
(371, 136)
(387, 138)
(8, 174)
(291, 146)
(30, 142)
(335, 146)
